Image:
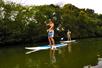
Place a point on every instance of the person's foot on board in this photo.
(49, 45)
(53, 48)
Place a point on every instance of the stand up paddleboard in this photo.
(44, 47)
(34, 49)
(68, 41)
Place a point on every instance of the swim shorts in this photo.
(51, 34)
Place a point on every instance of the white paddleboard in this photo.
(44, 47)
(34, 49)
(68, 41)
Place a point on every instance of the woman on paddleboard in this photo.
(69, 35)
(51, 33)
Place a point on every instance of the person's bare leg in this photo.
(69, 38)
(49, 41)
(53, 43)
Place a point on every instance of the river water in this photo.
(84, 53)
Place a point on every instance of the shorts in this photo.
(51, 34)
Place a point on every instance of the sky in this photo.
(91, 4)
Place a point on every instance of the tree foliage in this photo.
(25, 23)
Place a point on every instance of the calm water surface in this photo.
(85, 53)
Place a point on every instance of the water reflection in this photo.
(98, 65)
(69, 47)
(52, 56)
(53, 61)
(85, 54)
(63, 49)
(12, 58)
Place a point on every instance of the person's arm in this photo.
(51, 26)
